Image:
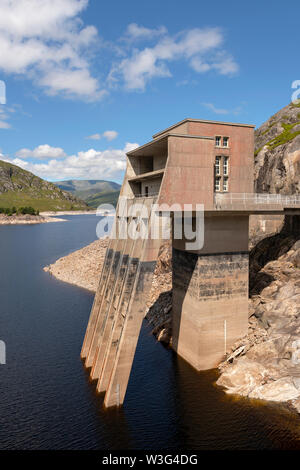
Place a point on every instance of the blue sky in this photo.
(88, 80)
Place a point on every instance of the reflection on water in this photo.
(47, 400)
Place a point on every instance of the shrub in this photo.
(22, 210)
(27, 210)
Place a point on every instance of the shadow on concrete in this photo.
(184, 264)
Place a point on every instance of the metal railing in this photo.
(247, 199)
(143, 196)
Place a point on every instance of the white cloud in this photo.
(92, 164)
(46, 41)
(216, 110)
(200, 48)
(134, 31)
(4, 125)
(94, 137)
(5, 112)
(108, 135)
(42, 152)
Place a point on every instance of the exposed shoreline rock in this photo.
(83, 268)
(266, 363)
(52, 213)
(27, 219)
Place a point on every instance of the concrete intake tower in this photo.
(208, 167)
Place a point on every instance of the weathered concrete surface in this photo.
(119, 309)
(210, 285)
(210, 305)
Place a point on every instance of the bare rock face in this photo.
(277, 153)
(266, 363)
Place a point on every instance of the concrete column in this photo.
(210, 293)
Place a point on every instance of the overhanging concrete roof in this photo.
(203, 121)
(161, 143)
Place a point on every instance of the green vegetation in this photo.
(257, 151)
(295, 105)
(103, 198)
(41, 202)
(269, 127)
(20, 188)
(22, 210)
(286, 136)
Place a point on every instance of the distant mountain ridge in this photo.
(93, 192)
(21, 188)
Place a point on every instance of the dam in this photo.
(198, 174)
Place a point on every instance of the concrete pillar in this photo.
(210, 292)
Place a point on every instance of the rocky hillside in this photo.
(277, 153)
(21, 188)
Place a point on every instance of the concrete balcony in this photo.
(147, 176)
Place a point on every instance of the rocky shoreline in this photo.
(52, 213)
(83, 267)
(27, 219)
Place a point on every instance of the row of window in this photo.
(221, 184)
(221, 173)
(222, 166)
(222, 141)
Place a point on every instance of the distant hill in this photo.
(87, 188)
(103, 198)
(93, 192)
(21, 188)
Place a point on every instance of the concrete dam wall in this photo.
(204, 169)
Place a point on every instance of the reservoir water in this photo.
(46, 398)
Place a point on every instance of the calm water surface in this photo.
(47, 400)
